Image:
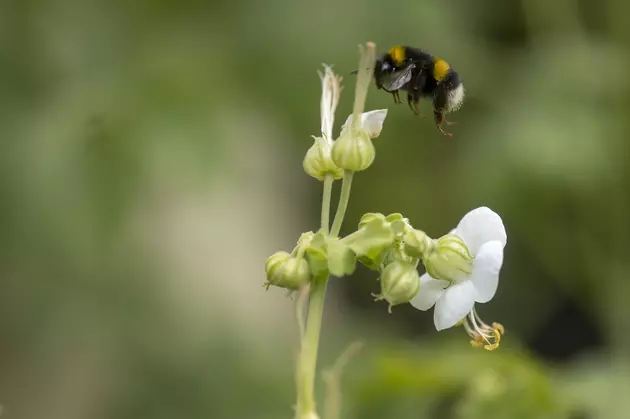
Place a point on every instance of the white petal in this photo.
(486, 267)
(430, 291)
(371, 122)
(480, 226)
(454, 305)
(346, 125)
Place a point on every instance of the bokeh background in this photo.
(151, 161)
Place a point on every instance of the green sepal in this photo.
(369, 218)
(329, 255)
(398, 224)
(316, 255)
(398, 254)
(374, 235)
(341, 259)
(374, 258)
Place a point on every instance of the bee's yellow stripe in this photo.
(398, 55)
(440, 69)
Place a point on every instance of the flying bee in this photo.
(421, 75)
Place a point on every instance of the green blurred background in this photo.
(151, 161)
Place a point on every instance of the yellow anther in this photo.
(499, 327)
(497, 335)
(491, 347)
(497, 339)
(477, 341)
(483, 335)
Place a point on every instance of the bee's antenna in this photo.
(356, 71)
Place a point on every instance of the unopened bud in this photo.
(353, 151)
(449, 260)
(286, 271)
(400, 282)
(318, 161)
(417, 243)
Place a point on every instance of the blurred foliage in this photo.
(151, 160)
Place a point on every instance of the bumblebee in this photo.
(421, 75)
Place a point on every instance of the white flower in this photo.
(483, 233)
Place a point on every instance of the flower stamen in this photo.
(482, 334)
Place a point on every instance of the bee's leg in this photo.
(396, 95)
(413, 104)
(439, 104)
(439, 118)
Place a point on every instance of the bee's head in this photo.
(384, 65)
(388, 63)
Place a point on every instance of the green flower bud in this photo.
(275, 261)
(417, 243)
(353, 151)
(318, 162)
(400, 282)
(449, 259)
(397, 254)
(286, 271)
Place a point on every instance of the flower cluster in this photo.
(462, 267)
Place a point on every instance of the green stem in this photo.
(343, 203)
(328, 182)
(307, 362)
(308, 355)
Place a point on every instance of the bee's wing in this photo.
(399, 78)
